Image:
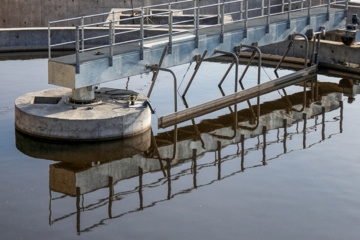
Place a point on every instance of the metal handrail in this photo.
(244, 10)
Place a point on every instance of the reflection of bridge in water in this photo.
(91, 167)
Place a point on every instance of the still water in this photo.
(298, 180)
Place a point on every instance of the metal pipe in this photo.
(236, 66)
(156, 73)
(229, 100)
(194, 74)
(175, 81)
(247, 67)
(259, 61)
(306, 47)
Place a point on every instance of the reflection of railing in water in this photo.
(193, 171)
(169, 179)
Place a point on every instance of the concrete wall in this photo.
(37, 13)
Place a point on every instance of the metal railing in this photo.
(239, 11)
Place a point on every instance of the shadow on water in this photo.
(83, 168)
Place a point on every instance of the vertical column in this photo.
(242, 137)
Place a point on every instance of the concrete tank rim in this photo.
(111, 119)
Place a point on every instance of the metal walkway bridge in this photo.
(274, 23)
(180, 41)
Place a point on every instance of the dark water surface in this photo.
(304, 183)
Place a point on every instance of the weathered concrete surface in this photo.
(50, 114)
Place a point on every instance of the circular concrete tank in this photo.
(52, 114)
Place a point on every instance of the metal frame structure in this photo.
(87, 22)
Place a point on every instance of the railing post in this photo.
(142, 34)
(309, 12)
(77, 68)
(169, 10)
(82, 33)
(262, 7)
(268, 17)
(197, 26)
(289, 14)
(346, 8)
(170, 32)
(49, 41)
(195, 12)
(246, 17)
(241, 9)
(218, 12)
(282, 5)
(302, 4)
(222, 22)
(111, 43)
(328, 11)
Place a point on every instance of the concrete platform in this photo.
(51, 114)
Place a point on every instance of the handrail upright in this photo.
(49, 40)
(309, 11)
(222, 22)
(142, 35)
(82, 34)
(77, 69)
(170, 32)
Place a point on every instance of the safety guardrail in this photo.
(267, 8)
